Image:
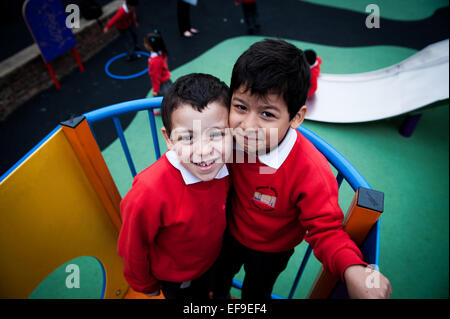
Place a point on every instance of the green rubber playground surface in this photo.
(405, 10)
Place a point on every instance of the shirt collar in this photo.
(124, 6)
(188, 177)
(154, 54)
(315, 63)
(277, 156)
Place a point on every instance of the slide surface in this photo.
(420, 80)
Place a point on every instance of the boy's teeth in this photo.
(203, 164)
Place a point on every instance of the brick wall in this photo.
(24, 75)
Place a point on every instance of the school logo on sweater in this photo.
(265, 198)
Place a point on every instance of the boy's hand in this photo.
(105, 30)
(366, 283)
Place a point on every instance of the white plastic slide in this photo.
(418, 81)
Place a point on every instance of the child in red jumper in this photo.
(125, 22)
(174, 214)
(157, 64)
(283, 188)
(314, 62)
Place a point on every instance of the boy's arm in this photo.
(113, 20)
(366, 283)
(322, 218)
(141, 222)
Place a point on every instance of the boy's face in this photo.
(260, 123)
(201, 139)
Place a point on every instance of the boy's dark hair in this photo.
(195, 89)
(155, 40)
(133, 3)
(274, 66)
(311, 56)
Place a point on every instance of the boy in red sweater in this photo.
(125, 22)
(158, 68)
(174, 214)
(283, 188)
(314, 62)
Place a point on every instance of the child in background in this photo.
(174, 214)
(125, 22)
(157, 64)
(314, 62)
(283, 190)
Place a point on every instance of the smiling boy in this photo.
(174, 214)
(284, 191)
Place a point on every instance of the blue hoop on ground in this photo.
(124, 77)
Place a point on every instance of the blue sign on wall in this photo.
(46, 20)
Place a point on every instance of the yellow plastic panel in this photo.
(50, 214)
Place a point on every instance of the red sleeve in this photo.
(141, 220)
(115, 18)
(155, 67)
(322, 218)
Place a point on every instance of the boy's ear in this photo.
(299, 117)
(166, 138)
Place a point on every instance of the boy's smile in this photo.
(200, 139)
(260, 123)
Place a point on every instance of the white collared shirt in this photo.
(124, 6)
(188, 177)
(277, 156)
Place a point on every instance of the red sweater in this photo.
(122, 20)
(315, 71)
(158, 70)
(275, 212)
(171, 231)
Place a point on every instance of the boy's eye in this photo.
(186, 138)
(267, 114)
(240, 107)
(216, 134)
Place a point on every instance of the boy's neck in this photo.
(278, 145)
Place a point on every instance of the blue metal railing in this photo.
(114, 111)
(345, 169)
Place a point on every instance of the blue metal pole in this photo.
(124, 145)
(300, 272)
(151, 117)
(237, 284)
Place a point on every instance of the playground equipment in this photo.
(46, 20)
(418, 81)
(60, 202)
